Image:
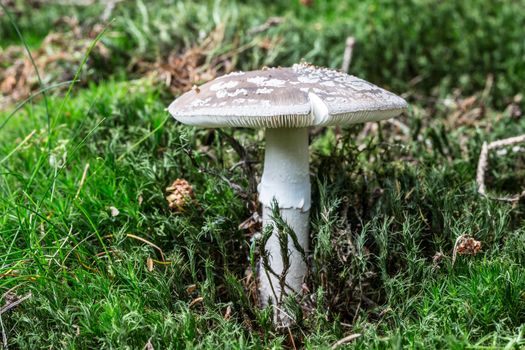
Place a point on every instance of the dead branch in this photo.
(507, 142)
(347, 56)
(270, 22)
(345, 340)
(14, 303)
(483, 166)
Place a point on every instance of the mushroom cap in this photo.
(300, 96)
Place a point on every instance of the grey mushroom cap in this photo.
(299, 96)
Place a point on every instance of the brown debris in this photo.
(467, 112)
(180, 193)
(270, 22)
(60, 54)
(465, 245)
(57, 60)
(252, 224)
(181, 71)
(469, 246)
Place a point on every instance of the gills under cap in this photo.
(300, 96)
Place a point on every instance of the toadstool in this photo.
(286, 102)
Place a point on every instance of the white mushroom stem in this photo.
(286, 179)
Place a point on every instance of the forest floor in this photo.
(92, 255)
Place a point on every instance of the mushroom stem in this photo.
(286, 178)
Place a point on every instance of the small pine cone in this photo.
(469, 246)
(180, 193)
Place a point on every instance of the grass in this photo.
(385, 202)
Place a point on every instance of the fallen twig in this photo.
(148, 243)
(482, 168)
(270, 22)
(282, 318)
(347, 56)
(483, 165)
(345, 340)
(507, 142)
(196, 301)
(291, 338)
(11, 304)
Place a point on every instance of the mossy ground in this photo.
(387, 197)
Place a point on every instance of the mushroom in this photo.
(286, 102)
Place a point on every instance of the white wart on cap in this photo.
(300, 96)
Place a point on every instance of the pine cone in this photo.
(180, 193)
(469, 246)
